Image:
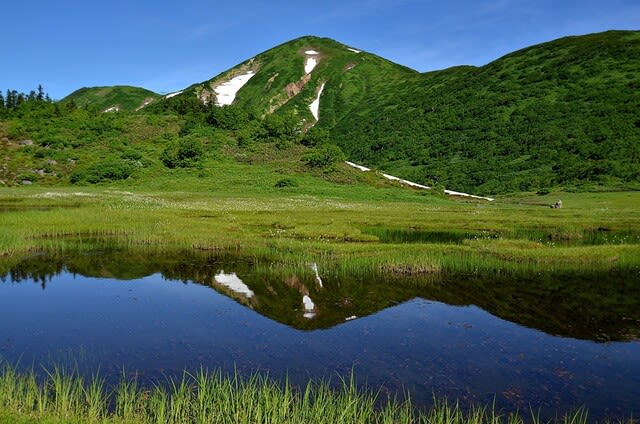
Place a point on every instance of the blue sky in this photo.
(167, 45)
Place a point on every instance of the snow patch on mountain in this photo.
(226, 92)
(360, 167)
(406, 182)
(314, 107)
(170, 95)
(146, 102)
(412, 184)
(310, 62)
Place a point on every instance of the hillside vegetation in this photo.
(118, 98)
(562, 114)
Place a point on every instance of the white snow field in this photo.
(314, 107)
(232, 282)
(226, 92)
(310, 61)
(170, 95)
(412, 184)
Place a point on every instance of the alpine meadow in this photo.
(332, 196)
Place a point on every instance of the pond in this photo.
(555, 342)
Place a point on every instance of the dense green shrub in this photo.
(315, 136)
(324, 157)
(286, 182)
(227, 117)
(109, 170)
(131, 154)
(184, 153)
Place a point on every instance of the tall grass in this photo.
(204, 397)
(422, 236)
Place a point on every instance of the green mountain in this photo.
(286, 81)
(562, 113)
(558, 114)
(119, 98)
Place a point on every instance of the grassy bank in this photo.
(363, 230)
(65, 397)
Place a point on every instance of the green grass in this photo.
(331, 224)
(211, 397)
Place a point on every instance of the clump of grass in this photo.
(409, 269)
(204, 397)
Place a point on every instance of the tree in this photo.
(40, 96)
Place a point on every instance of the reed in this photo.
(204, 397)
(406, 236)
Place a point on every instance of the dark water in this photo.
(549, 236)
(555, 342)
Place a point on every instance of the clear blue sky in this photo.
(165, 45)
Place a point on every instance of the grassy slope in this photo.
(126, 98)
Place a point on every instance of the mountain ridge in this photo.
(558, 114)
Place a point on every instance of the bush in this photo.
(109, 170)
(315, 137)
(286, 182)
(227, 117)
(324, 157)
(183, 154)
(131, 154)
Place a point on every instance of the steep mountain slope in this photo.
(289, 77)
(563, 112)
(119, 98)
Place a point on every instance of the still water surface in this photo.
(521, 342)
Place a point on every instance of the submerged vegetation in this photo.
(210, 397)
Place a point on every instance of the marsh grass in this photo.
(211, 397)
(343, 233)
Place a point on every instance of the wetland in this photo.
(510, 305)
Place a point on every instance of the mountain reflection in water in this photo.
(598, 307)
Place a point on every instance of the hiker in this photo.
(557, 205)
